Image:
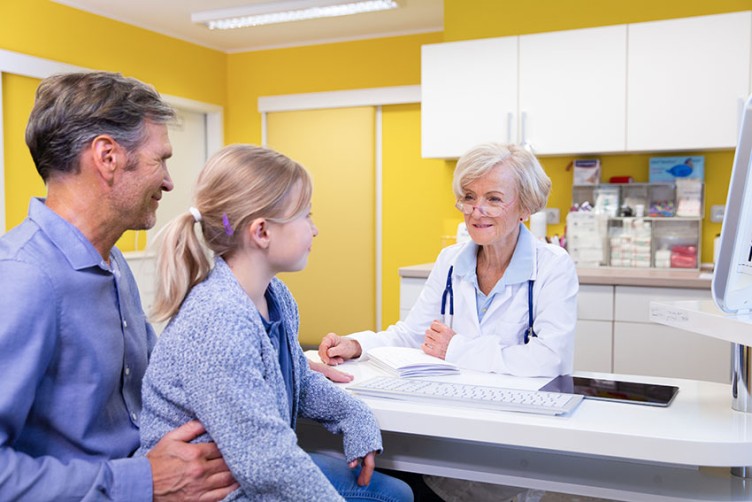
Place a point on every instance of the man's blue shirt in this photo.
(74, 345)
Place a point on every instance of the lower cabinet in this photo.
(657, 350)
(639, 346)
(615, 335)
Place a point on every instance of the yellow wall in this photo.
(380, 62)
(470, 19)
(48, 30)
(336, 291)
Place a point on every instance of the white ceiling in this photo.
(173, 18)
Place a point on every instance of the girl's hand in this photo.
(332, 374)
(368, 463)
(437, 339)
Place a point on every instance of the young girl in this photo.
(229, 356)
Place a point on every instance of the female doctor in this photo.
(513, 297)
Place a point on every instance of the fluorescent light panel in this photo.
(282, 12)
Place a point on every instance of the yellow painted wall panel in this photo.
(337, 290)
(361, 64)
(49, 30)
(417, 201)
(470, 19)
(21, 179)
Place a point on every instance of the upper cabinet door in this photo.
(685, 80)
(469, 95)
(573, 90)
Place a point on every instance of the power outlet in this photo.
(552, 215)
(716, 213)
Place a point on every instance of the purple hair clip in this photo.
(226, 223)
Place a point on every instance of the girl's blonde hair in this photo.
(237, 185)
(533, 184)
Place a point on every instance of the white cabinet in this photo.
(571, 94)
(662, 85)
(572, 90)
(642, 347)
(410, 288)
(469, 95)
(684, 80)
(594, 331)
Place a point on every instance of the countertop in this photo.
(614, 276)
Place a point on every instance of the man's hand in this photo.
(336, 350)
(185, 471)
(368, 463)
(332, 374)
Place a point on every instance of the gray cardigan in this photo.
(214, 362)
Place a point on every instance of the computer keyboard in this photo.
(474, 396)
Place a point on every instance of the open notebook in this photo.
(408, 362)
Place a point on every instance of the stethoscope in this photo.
(448, 296)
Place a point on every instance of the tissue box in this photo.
(669, 169)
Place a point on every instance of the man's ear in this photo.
(106, 155)
(258, 231)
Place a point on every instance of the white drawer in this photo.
(595, 302)
(633, 303)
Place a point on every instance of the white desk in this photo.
(610, 450)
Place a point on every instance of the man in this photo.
(74, 340)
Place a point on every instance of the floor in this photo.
(464, 491)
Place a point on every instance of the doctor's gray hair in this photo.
(533, 184)
(72, 109)
(238, 184)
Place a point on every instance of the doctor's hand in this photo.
(330, 373)
(438, 336)
(336, 349)
(368, 463)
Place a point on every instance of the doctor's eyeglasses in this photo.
(491, 208)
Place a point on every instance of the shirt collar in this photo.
(76, 248)
(520, 267)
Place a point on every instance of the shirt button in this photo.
(127, 371)
(125, 323)
(134, 416)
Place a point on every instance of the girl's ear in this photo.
(259, 232)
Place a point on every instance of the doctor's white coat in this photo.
(496, 344)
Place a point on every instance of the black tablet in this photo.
(613, 390)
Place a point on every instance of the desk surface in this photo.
(698, 428)
(602, 449)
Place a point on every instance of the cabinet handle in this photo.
(509, 127)
(524, 144)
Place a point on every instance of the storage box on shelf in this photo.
(646, 225)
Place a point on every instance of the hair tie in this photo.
(196, 214)
(226, 222)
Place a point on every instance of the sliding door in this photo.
(336, 291)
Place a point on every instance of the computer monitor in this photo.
(732, 279)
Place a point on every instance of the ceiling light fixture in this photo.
(286, 11)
